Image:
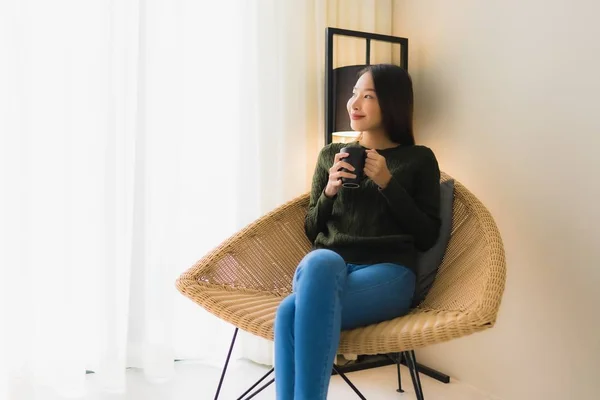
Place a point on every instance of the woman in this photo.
(361, 270)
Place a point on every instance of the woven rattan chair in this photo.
(244, 279)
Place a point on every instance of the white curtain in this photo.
(135, 136)
(68, 124)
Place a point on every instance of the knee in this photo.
(323, 257)
(321, 264)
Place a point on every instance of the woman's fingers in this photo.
(336, 173)
(373, 154)
(338, 162)
(344, 164)
(335, 182)
(342, 174)
(341, 164)
(339, 156)
(372, 163)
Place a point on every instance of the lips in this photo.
(356, 116)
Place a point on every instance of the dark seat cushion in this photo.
(428, 262)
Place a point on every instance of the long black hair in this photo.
(394, 89)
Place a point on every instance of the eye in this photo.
(368, 96)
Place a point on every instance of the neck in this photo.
(376, 140)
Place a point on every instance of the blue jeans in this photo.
(330, 296)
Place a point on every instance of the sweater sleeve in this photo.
(320, 206)
(418, 215)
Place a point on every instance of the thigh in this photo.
(376, 293)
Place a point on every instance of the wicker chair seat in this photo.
(244, 279)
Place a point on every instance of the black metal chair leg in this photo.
(263, 387)
(340, 373)
(399, 390)
(414, 373)
(414, 361)
(398, 362)
(256, 384)
(397, 359)
(226, 364)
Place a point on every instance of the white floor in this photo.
(198, 382)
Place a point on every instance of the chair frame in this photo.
(408, 356)
(244, 279)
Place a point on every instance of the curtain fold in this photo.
(118, 122)
(68, 151)
(136, 135)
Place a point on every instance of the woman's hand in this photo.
(335, 175)
(376, 169)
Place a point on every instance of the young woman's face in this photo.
(363, 106)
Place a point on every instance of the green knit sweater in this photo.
(370, 225)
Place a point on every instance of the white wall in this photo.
(508, 96)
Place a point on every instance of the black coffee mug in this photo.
(356, 158)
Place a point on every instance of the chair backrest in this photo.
(473, 273)
(264, 256)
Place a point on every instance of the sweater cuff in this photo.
(326, 203)
(325, 206)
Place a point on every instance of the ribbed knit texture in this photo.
(369, 225)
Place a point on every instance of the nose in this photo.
(353, 103)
